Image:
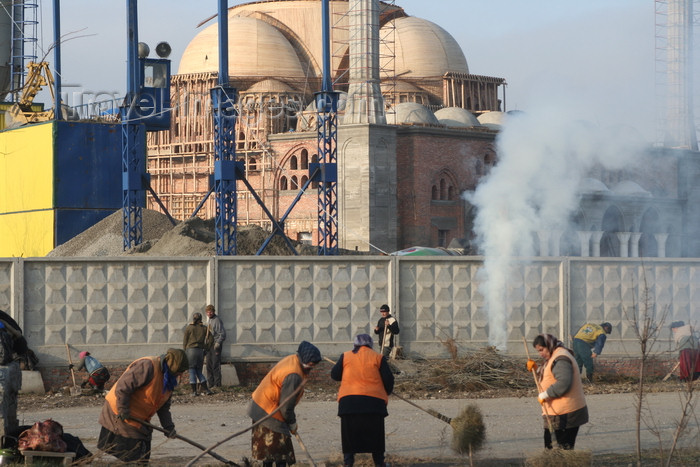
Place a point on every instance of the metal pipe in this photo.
(57, 114)
(223, 42)
(325, 14)
(132, 55)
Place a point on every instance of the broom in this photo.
(468, 428)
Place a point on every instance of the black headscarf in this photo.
(308, 353)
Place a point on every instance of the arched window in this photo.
(314, 158)
(304, 179)
(304, 159)
(252, 164)
(451, 193)
(293, 163)
(435, 193)
(283, 183)
(443, 193)
(294, 183)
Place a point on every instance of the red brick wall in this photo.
(426, 155)
(250, 374)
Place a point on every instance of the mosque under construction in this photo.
(417, 129)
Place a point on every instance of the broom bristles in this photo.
(469, 432)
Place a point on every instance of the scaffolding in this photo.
(24, 43)
(675, 71)
(346, 58)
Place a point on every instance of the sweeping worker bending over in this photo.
(588, 344)
(562, 399)
(193, 343)
(271, 440)
(98, 375)
(688, 350)
(142, 391)
(216, 335)
(365, 384)
(386, 328)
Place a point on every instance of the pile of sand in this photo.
(194, 237)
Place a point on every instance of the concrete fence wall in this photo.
(121, 309)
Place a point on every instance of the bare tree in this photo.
(646, 326)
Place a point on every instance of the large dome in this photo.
(422, 49)
(255, 49)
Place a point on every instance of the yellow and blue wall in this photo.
(56, 179)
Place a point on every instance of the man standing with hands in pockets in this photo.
(216, 335)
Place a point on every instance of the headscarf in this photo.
(362, 340)
(84, 354)
(552, 342)
(196, 318)
(174, 361)
(308, 353)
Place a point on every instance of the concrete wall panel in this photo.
(269, 305)
(132, 308)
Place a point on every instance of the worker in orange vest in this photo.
(143, 390)
(365, 384)
(281, 387)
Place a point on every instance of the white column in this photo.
(661, 244)
(543, 235)
(584, 237)
(634, 244)
(595, 242)
(624, 239)
(555, 244)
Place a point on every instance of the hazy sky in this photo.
(597, 56)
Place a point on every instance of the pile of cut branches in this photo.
(480, 370)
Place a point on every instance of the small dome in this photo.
(592, 185)
(492, 120)
(456, 117)
(408, 113)
(630, 188)
(421, 49)
(269, 85)
(255, 49)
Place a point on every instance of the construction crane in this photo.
(23, 112)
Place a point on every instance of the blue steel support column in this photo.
(133, 141)
(225, 166)
(327, 132)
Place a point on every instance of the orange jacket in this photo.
(361, 375)
(574, 398)
(267, 394)
(146, 400)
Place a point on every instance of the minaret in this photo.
(364, 103)
(680, 122)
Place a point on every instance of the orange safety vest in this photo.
(146, 400)
(574, 398)
(361, 375)
(267, 394)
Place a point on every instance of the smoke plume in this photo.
(542, 158)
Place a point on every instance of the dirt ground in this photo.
(511, 417)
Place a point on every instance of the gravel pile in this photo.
(194, 237)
